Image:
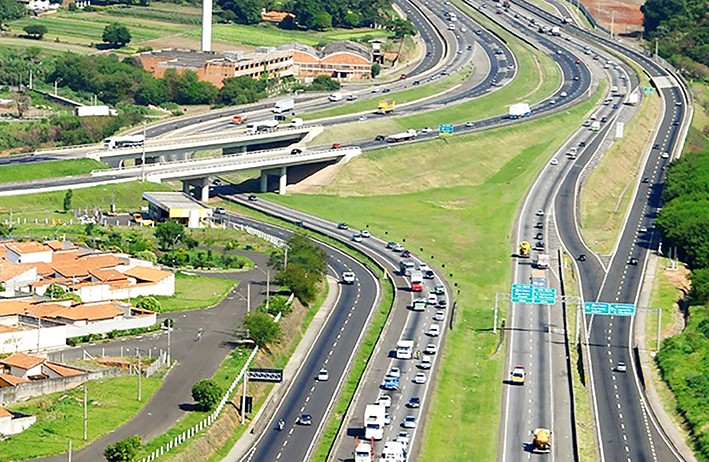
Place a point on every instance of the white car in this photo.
(621, 367)
(423, 267)
(348, 277)
(431, 349)
(420, 378)
(398, 248)
(409, 422)
(426, 130)
(404, 438)
(665, 155)
(563, 94)
(439, 316)
(554, 161)
(432, 299)
(357, 238)
(394, 372)
(323, 376)
(434, 330)
(365, 233)
(384, 400)
(540, 212)
(426, 362)
(387, 419)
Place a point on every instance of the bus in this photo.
(129, 141)
(404, 349)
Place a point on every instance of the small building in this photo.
(12, 423)
(275, 17)
(179, 207)
(342, 60)
(28, 252)
(24, 366)
(9, 381)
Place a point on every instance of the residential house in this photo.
(12, 422)
(24, 366)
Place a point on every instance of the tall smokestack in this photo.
(206, 25)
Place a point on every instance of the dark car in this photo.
(305, 419)
(539, 225)
(604, 119)
(386, 90)
(252, 197)
(342, 226)
(379, 138)
(414, 402)
(582, 257)
(296, 151)
(582, 144)
(405, 253)
(646, 180)
(675, 122)
(539, 245)
(417, 82)
(633, 261)
(656, 146)
(539, 236)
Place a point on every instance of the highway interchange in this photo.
(626, 427)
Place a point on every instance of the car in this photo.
(417, 82)
(675, 122)
(394, 372)
(342, 226)
(429, 274)
(423, 266)
(375, 90)
(604, 119)
(460, 52)
(518, 375)
(431, 349)
(552, 101)
(420, 378)
(348, 277)
(563, 94)
(426, 363)
(478, 32)
(386, 90)
(432, 299)
(351, 97)
(217, 182)
(439, 289)
(577, 61)
(554, 162)
(469, 124)
(296, 151)
(441, 303)
(539, 236)
(384, 400)
(469, 47)
(220, 210)
(586, 123)
(576, 77)
(656, 146)
(390, 245)
(323, 376)
(581, 257)
(633, 261)
(643, 230)
(405, 253)
(414, 402)
(646, 180)
(678, 103)
(398, 248)
(304, 419)
(434, 330)
(387, 419)
(390, 383)
(404, 438)
(539, 225)
(416, 287)
(559, 52)
(540, 212)
(365, 233)
(357, 237)
(336, 145)
(439, 316)
(539, 245)
(582, 144)
(409, 422)
(615, 106)
(379, 138)
(402, 76)
(426, 130)
(665, 155)
(621, 367)
(362, 118)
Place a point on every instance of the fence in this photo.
(260, 234)
(206, 422)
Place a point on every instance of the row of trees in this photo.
(681, 28)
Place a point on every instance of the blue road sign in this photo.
(622, 309)
(445, 129)
(596, 308)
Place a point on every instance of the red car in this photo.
(403, 76)
(336, 145)
(416, 287)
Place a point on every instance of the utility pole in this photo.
(656, 47)
(142, 157)
(169, 329)
(140, 384)
(248, 296)
(243, 400)
(31, 79)
(285, 257)
(69, 450)
(39, 329)
(612, 24)
(268, 287)
(86, 420)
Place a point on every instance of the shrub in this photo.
(206, 394)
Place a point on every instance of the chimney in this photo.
(207, 25)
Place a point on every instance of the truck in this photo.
(406, 267)
(394, 451)
(404, 349)
(374, 421)
(539, 278)
(284, 105)
(238, 119)
(87, 111)
(364, 451)
(556, 31)
(416, 277)
(520, 110)
(386, 106)
(543, 261)
(524, 248)
(409, 134)
(335, 97)
(541, 442)
(128, 141)
(262, 126)
(296, 122)
(633, 99)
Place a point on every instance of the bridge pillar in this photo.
(283, 181)
(186, 186)
(264, 181)
(204, 183)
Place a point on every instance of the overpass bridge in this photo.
(195, 173)
(178, 148)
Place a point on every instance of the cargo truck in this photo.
(520, 110)
(128, 141)
(87, 111)
(556, 31)
(416, 277)
(633, 99)
(404, 349)
(386, 106)
(524, 248)
(364, 451)
(394, 451)
(374, 421)
(539, 278)
(284, 105)
(542, 440)
(262, 126)
(403, 136)
(543, 261)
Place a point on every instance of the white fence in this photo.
(260, 234)
(206, 422)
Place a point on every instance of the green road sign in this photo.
(445, 130)
(647, 90)
(609, 309)
(622, 309)
(544, 296)
(529, 294)
(595, 308)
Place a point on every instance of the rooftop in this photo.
(196, 59)
(7, 380)
(4, 412)
(173, 200)
(22, 248)
(22, 361)
(143, 273)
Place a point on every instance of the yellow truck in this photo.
(541, 443)
(386, 106)
(524, 248)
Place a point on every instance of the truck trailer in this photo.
(524, 248)
(520, 110)
(87, 111)
(403, 136)
(128, 141)
(386, 106)
(262, 126)
(364, 451)
(633, 99)
(284, 105)
(374, 421)
(543, 261)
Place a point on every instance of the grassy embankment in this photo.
(54, 169)
(111, 403)
(606, 195)
(460, 205)
(195, 292)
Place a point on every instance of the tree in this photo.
(116, 35)
(148, 303)
(11, 10)
(376, 69)
(35, 31)
(168, 234)
(67, 200)
(153, 91)
(262, 330)
(206, 394)
(324, 83)
(147, 255)
(55, 291)
(124, 450)
(245, 11)
(5, 230)
(401, 28)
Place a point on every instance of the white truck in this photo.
(374, 421)
(633, 99)
(543, 261)
(284, 105)
(128, 141)
(262, 126)
(335, 97)
(416, 277)
(86, 111)
(394, 451)
(520, 110)
(404, 349)
(364, 451)
(403, 136)
(296, 122)
(556, 31)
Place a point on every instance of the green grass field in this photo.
(457, 200)
(37, 170)
(111, 402)
(195, 292)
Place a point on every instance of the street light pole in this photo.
(86, 420)
(169, 329)
(268, 287)
(140, 385)
(248, 296)
(142, 157)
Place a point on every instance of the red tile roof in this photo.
(63, 370)
(27, 247)
(7, 380)
(143, 273)
(13, 307)
(10, 270)
(4, 412)
(88, 312)
(22, 361)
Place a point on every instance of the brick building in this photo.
(343, 60)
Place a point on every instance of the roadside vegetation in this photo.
(194, 292)
(39, 170)
(464, 202)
